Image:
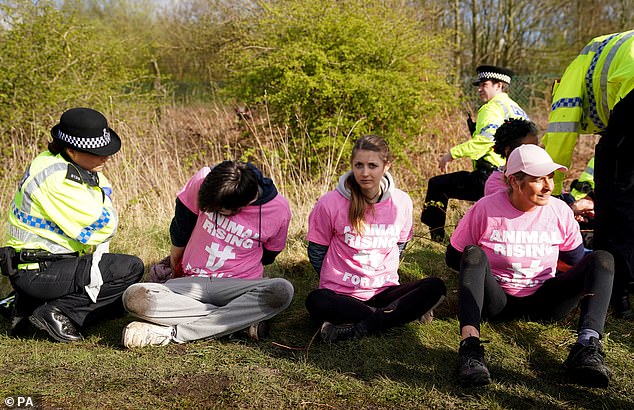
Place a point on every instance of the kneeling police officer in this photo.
(60, 223)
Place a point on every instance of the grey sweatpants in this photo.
(201, 307)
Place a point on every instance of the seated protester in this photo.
(229, 222)
(63, 209)
(510, 135)
(355, 236)
(506, 248)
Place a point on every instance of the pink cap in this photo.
(532, 160)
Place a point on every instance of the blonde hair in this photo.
(358, 202)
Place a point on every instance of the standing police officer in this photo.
(493, 85)
(595, 96)
(63, 209)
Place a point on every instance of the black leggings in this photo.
(394, 306)
(588, 282)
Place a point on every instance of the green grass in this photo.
(408, 367)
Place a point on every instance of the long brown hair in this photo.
(358, 203)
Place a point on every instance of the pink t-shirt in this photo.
(522, 247)
(360, 265)
(495, 183)
(232, 246)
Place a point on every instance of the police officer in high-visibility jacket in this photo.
(595, 96)
(61, 211)
(493, 85)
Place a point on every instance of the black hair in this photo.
(230, 185)
(58, 147)
(511, 133)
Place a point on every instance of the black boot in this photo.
(586, 366)
(472, 369)
(50, 319)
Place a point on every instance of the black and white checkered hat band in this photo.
(487, 75)
(86, 143)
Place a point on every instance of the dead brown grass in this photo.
(160, 152)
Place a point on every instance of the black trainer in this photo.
(472, 369)
(331, 333)
(55, 323)
(585, 364)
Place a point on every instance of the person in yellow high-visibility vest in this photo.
(493, 85)
(61, 211)
(594, 96)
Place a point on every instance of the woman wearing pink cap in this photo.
(506, 249)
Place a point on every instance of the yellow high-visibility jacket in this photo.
(57, 209)
(595, 81)
(490, 116)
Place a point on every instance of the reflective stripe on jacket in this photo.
(490, 116)
(600, 76)
(56, 210)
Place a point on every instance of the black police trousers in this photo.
(468, 186)
(61, 284)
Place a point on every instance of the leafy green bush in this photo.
(51, 60)
(327, 68)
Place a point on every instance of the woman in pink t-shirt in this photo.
(506, 249)
(356, 234)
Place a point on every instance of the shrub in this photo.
(51, 60)
(328, 68)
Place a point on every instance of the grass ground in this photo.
(408, 367)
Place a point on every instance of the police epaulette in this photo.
(73, 174)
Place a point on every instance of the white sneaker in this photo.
(139, 334)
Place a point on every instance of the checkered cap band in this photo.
(487, 75)
(86, 143)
